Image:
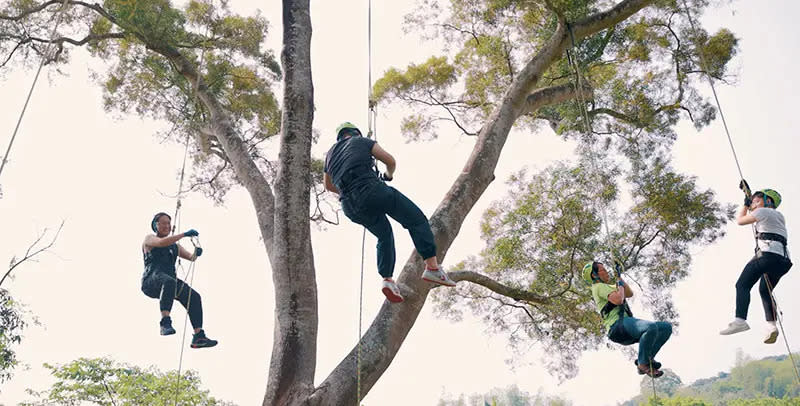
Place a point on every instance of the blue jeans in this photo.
(370, 210)
(652, 335)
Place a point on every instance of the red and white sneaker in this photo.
(391, 291)
(437, 276)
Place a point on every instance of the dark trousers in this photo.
(370, 210)
(167, 289)
(772, 265)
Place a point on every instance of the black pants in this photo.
(167, 289)
(370, 209)
(772, 265)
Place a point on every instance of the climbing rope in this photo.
(778, 316)
(572, 60)
(194, 240)
(371, 118)
(46, 55)
(703, 66)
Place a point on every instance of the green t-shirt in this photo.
(600, 292)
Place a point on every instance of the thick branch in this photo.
(497, 287)
(553, 95)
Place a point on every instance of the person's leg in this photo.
(638, 329)
(369, 212)
(159, 286)
(773, 268)
(193, 304)
(382, 230)
(663, 331)
(748, 278)
(409, 215)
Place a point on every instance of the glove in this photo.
(191, 233)
(618, 268)
(198, 251)
(385, 177)
(745, 188)
(620, 283)
(747, 201)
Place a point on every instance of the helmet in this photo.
(155, 220)
(340, 130)
(589, 272)
(772, 194)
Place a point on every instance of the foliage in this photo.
(510, 396)
(12, 324)
(550, 224)
(767, 382)
(102, 381)
(642, 70)
(226, 50)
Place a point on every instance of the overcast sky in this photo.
(107, 175)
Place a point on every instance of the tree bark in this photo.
(294, 352)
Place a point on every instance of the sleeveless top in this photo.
(160, 260)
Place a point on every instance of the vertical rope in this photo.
(370, 134)
(572, 60)
(704, 67)
(778, 316)
(360, 314)
(653, 380)
(46, 55)
(194, 240)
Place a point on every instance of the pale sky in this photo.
(107, 175)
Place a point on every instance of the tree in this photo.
(510, 396)
(102, 381)
(223, 105)
(13, 316)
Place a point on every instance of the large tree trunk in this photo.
(294, 352)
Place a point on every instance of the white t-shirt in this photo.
(770, 221)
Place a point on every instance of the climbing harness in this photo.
(757, 236)
(46, 55)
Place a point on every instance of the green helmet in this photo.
(772, 194)
(345, 126)
(587, 273)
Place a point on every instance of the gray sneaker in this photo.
(736, 326)
(438, 276)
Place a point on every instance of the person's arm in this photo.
(385, 157)
(154, 241)
(743, 219)
(329, 184)
(618, 296)
(183, 253)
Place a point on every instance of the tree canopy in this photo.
(103, 381)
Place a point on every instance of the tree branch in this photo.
(497, 287)
(29, 255)
(554, 95)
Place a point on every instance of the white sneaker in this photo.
(391, 291)
(736, 326)
(772, 335)
(437, 276)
